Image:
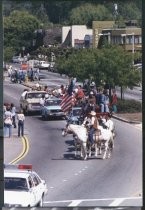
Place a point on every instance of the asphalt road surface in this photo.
(74, 182)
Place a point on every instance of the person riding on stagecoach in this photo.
(93, 125)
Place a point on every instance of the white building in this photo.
(78, 36)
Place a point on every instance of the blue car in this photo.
(75, 116)
(52, 108)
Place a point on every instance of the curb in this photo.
(127, 121)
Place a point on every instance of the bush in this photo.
(9, 52)
(129, 106)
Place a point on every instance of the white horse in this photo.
(102, 140)
(80, 137)
(109, 125)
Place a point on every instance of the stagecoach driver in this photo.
(87, 121)
(93, 126)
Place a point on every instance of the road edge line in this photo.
(24, 151)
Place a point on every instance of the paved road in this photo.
(74, 182)
(135, 93)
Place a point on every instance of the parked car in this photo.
(52, 108)
(23, 187)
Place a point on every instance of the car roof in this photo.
(53, 98)
(36, 91)
(17, 173)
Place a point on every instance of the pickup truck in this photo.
(44, 65)
(31, 101)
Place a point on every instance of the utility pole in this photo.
(115, 12)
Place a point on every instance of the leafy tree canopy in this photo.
(66, 10)
(19, 29)
(87, 13)
(110, 65)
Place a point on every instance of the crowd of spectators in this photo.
(20, 75)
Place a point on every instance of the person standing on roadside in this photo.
(16, 75)
(13, 111)
(8, 122)
(21, 119)
(114, 101)
(31, 75)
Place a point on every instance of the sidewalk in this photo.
(12, 147)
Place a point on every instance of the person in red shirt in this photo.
(79, 94)
(114, 101)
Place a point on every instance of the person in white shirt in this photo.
(42, 100)
(21, 119)
(24, 93)
(8, 122)
(13, 111)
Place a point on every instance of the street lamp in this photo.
(106, 34)
(132, 35)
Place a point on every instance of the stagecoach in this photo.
(104, 142)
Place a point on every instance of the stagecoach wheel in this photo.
(43, 117)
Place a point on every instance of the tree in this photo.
(19, 30)
(8, 53)
(86, 13)
(66, 10)
(111, 65)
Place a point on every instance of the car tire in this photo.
(40, 204)
(43, 118)
(25, 111)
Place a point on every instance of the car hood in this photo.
(16, 197)
(34, 100)
(53, 107)
(74, 117)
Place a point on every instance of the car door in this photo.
(37, 188)
(32, 190)
(42, 185)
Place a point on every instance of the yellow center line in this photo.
(24, 151)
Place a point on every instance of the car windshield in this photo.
(15, 183)
(35, 95)
(76, 112)
(52, 102)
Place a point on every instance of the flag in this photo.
(68, 99)
(67, 102)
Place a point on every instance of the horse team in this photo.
(103, 139)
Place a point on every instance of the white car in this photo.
(44, 65)
(23, 187)
(17, 59)
(31, 101)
